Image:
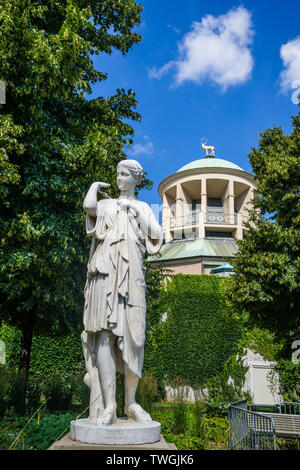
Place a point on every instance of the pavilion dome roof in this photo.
(210, 162)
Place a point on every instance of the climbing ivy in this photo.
(194, 338)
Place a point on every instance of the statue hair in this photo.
(135, 169)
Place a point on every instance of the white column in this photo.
(203, 198)
(179, 201)
(166, 214)
(201, 227)
(231, 201)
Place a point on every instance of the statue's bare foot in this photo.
(137, 413)
(108, 417)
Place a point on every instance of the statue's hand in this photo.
(127, 203)
(96, 187)
(100, 184)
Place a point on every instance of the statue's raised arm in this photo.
(90, 201)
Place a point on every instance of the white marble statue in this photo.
(122, 230)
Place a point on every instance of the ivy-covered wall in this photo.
(197, 339)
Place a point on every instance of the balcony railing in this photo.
(211, 218)
(220, 218)
(184, 221)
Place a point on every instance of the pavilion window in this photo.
(214, 204)
(211, 234)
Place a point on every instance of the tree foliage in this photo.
(54, 142)
(267, 267)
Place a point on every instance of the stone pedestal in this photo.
(123, 432)
(66, 443)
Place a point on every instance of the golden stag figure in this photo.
(210, 150)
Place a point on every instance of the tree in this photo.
(53, 143)
(266, 284)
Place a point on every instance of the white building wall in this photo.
(258, 383)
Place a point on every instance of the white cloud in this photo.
(142, 149)
(158, 73)
(217, 49)
(290, 55)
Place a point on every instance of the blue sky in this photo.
(223, 70)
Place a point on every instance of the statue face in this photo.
(125, 180)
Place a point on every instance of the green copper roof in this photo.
(194, 248)
(210, 162)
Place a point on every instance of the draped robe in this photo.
(115, 286)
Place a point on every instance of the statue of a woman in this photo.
(122, 230)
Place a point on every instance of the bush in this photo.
(146, 392)
(10, 427)
(289, 379)
(33, 393)
(4, 385)
(43, 434)
(12, 392)
(217, 433)
(58, 391)
(81, 392)
(213, 433)
(179, 417)
(199, 414)
(38, 434)
(16, 393)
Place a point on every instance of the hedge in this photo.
(50, 354)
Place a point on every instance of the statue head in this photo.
(133, 168)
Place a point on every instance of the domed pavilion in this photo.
(205, 207)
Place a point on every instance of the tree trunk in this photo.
(26, 342)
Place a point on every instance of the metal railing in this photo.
(289, 408)
(190, 219)
(213, 218)
(249, 430)
(220, 218)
